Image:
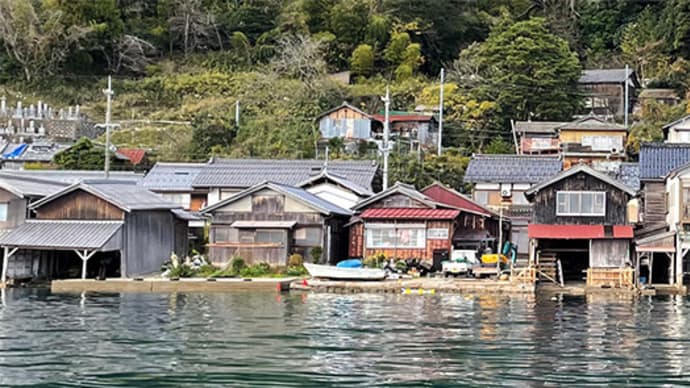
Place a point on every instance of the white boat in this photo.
(338, 273)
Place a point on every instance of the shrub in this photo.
(296, 271)
(237, 264)
(295, 260)
(374, 261)
(256, 270)
(316, 253)
(181, 271)
(206, 270)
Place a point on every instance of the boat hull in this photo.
(338, 273)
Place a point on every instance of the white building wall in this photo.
(346, 199)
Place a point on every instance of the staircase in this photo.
(547, 268)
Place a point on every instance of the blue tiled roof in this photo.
(658, 159)
(629, 175)
(512, 168)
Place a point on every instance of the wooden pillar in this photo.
(5, 262)
(85, 256)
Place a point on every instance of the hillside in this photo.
(191, 60)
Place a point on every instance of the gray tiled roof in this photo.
(592, 123)
(244, 173)
(295, 192)
(575, 170)
(512, 168)
(72, 176)
(598, 76)
(327, 175)
(61, 234)
(658, 159)
(401, 188)
(171, 176)
(123, 194)
(628, 174)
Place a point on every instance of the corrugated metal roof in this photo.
(244, 173)
(548, 127)
(512, 168)
(410, 214)
(124, 194)
(264, 224)
(577, 232)
(61, 234)
(171, 176)
(592, 123)
(398, 188)
(601, 76)
(27, 186)
(658, 159)
(448, 196)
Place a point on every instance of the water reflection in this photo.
(274, 339)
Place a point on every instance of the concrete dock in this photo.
(167, 285)
(419, 285)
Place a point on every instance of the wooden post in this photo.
(84, 258)
(5, 262)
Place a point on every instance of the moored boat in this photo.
(340, 273)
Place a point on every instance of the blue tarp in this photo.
(15, 153)
(354, 263)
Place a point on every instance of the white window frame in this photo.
(579, 193)
(437, 234)
(5, 214)
(419, 228)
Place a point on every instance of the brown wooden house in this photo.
(403, 223)
(109, 223)
(270, 221)
(580, 219)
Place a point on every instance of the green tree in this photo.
(83, 155)
(642, 46)
(395, 51)
(211, 136)
(499, 145)
(528, 71)
(449, 169)
(362, 60)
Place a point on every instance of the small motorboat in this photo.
(344, 273)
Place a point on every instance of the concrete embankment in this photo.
(419, 285)
(166, 285)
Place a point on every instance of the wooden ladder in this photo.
(547, 268)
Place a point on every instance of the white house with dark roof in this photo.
(222, 178)
(336, 189)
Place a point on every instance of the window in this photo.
(482, 197)
(269, 236)
(603, 143)
(392, 236)
(580, 203)
(224, 234)
(437, 233)
(309, 236)
(178, 198)
(3, 211)
(683, 136)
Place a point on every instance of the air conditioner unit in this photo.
(506, 191)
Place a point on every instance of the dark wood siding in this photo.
(79, 205)
(545, 202)
(654, 196)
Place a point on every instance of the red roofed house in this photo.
(581, 221)
(136, 156)
(403, 223)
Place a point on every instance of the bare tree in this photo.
(194, 24)
(299, 56)
(37, 40)
(132, 53)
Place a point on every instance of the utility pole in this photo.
(386, 130)
(109, 99)
(626, 95)
(440, 114)
(499, 248)
(237, 113)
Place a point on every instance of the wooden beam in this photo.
(5, 262)
(85, 256)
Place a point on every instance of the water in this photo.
(267, 339)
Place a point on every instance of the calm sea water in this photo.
(267, 339)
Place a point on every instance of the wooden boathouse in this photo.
(581, 221)
(107, 227)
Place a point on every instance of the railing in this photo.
(518, 211)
